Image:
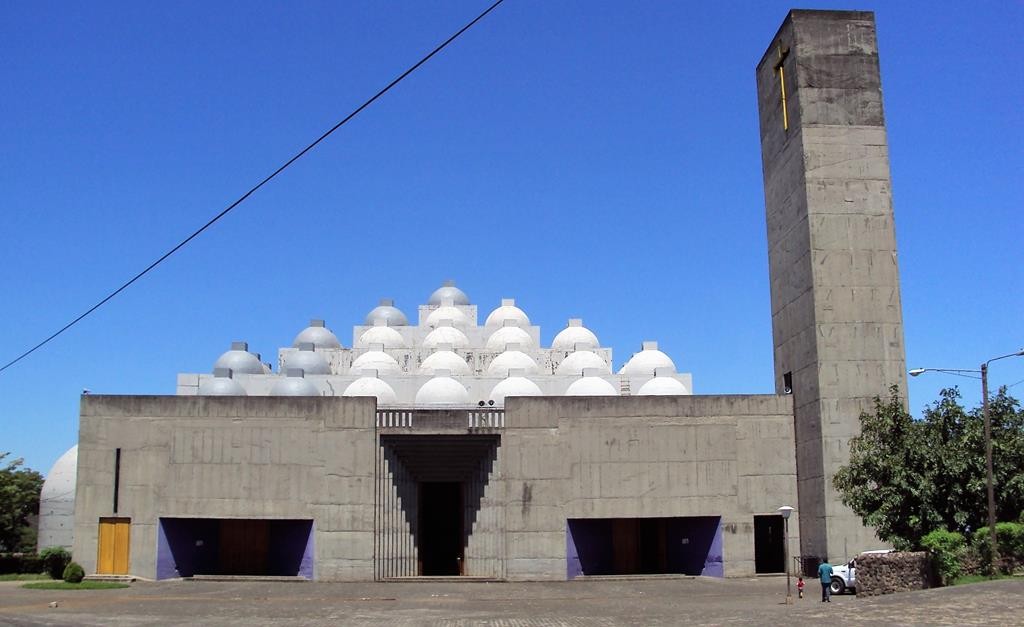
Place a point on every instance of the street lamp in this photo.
(988, 440)
(785, 511)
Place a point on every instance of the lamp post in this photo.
(983, 371)
(785, 511)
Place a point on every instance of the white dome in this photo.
(574, 336)
(318, 335)
(376, 360)
(644, 362)
(447, 312)
(311, 362)
(387, 313)
(444, 360)
(507, 312)
(446, 335)
(591, 386)
(372, 386)
(442, 391)
(576, 362)
(513, 386)
(448, 291)
(508, 335)
(390, 338)
(294, 386)
(57, 502)
(220, 386)
(512, 360)
(239, 361)
(663, 386)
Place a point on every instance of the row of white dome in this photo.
(443, 389)
(643, 363)
(446, 321)
(573, 336)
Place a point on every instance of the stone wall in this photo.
(565, 458)
(894, 572)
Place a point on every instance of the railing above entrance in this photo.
(488, 418)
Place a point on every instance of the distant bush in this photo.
(947, 549)
(1009, 542)
(73, 573)
(55, 560)
(19, 563)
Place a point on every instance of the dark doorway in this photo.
(233, 546)
(440, 529)
(769, 556)
(645, 546)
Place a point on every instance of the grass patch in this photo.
(24, 577)
(85, 585)
(978, 579)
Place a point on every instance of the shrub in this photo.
(55, 560)
(20, 563)
(947, 549)
(73, 573)
(1009, 542)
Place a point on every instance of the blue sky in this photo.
(591, 159)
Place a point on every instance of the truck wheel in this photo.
(837, 586)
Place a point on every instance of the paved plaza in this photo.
(675, 601)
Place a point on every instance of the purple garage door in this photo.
(229, 546)
(632, 546)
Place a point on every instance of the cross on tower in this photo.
(781, 71)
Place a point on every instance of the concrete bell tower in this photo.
(836, 314)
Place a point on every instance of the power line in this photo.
(254, 188)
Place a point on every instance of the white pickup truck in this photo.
(845, 577)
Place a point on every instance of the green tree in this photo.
(907, 478)
(887, 482)
(19, 499)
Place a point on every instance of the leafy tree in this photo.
(887, 482)
(907, 478)
(19, 499)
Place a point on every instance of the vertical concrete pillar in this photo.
(836, 314)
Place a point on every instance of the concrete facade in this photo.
(836, 314)
(562, 481)
(326, 459)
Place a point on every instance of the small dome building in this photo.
(382, 334)
(445, 360)
(57, 502)
(506, 335)
(387, 313)
(647, 361)
(507, 313)
(590, 384)
(240, 361)
(294, 384)
(376, 359)
(515, 385)
(446, 334)
(579, 361)
(318, 335)
(448, 291)
(512, 359)
(221, 384)
(575, 337)
(370, 385)
(442, 390)
(306, 359)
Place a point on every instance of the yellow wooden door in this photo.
(114, 540)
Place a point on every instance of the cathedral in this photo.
(436, 445)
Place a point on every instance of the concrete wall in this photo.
(230, 457)
(322, 459)
(836, 314)
(613, 457)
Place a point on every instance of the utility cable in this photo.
(244, 196)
